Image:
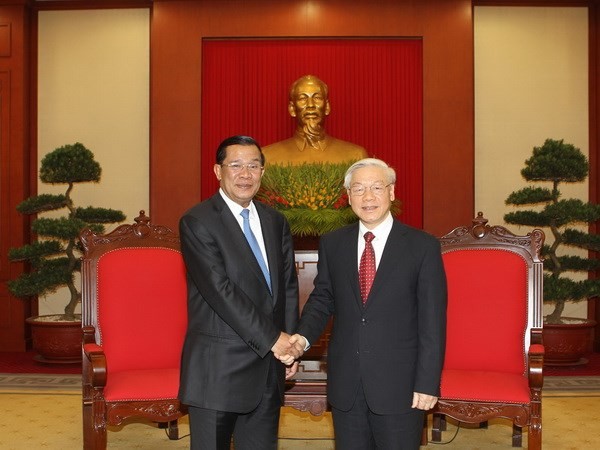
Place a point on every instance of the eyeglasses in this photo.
(359, 190)
(237, 167)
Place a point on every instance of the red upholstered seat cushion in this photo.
(487, 313)
(142, 317)
(152, 384)
(484, 386)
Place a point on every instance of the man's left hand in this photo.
(291, 370)
(423, 401)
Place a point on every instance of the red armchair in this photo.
(494, 351)
(134, 317)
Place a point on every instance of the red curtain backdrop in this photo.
(375, 91)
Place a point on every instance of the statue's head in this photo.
(309, 103)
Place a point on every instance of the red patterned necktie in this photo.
(366, 269)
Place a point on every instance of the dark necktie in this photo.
(366, 269)
(254, 246)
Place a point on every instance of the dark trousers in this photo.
(362, 429)
(256, 430)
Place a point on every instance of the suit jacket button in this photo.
(364, 321)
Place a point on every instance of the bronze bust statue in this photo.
(309, 104)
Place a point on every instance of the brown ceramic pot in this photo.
(567, 343)
(57, 341)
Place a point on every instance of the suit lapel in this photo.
(233, 229)
(268, 232)
(394, 246)
(348, 255)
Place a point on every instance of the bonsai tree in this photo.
(54, 257)
(552, 164)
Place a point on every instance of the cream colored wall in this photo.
(531, 83)
(93, 88)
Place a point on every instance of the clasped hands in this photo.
(288, 349)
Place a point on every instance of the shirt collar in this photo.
(380, 231)
(236, 208)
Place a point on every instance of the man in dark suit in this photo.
(384, 284)
(242, 303)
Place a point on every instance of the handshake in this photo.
(288, 348)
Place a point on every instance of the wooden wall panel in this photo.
(14, 167)
(5, 44)
(446, 28)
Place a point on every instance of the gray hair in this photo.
(369, 162)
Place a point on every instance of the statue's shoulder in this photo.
(334, 151)
(349, 148)
(281, 152)
(287, 144)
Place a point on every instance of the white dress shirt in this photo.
(236, 210)
(381, 232)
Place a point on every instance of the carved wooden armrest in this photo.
(536, 366)
(89, 335)
(95, 361)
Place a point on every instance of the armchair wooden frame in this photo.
(98, 412)
(457, 400)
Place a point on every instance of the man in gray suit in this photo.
(242, 303)
(384, 284)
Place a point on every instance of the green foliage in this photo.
(577, 238)
(556, 162)
(308, 186)
(54, 258)
(561, 289)
(99, 215)
(306, 222)
(528, 218)
(70, 164)
(311, 196)
(63, 228)
(571, 211)
(530, 195)
(46, 279)
(573, 263)
(559, 214)
(35, 251)
(41, 203)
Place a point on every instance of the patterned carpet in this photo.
(39, 382)
(50, 418)
(44, 410)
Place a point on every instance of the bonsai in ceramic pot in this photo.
(552, 165)
(53, 258)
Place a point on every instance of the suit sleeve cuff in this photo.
(307, 346)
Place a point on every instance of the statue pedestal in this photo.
(306, 242)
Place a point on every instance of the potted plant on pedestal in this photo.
(566, 339)
(54, 256)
